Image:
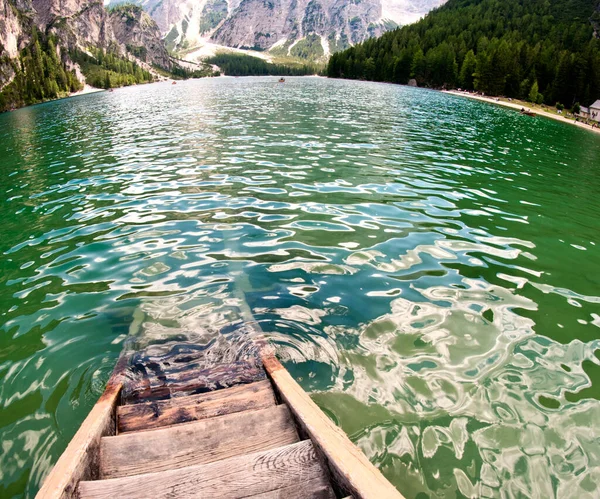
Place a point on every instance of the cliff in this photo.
(319, 26)
(138, 33)
(75, 26)
(262, 24)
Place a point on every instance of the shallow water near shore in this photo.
(427, 266)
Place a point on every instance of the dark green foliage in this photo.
(499, 47)
(170, 38)
(308, 48)
(140, 52)
(245, 65)
(212, 14)
(40, 75)
(128, 11)
(180, 72)
(106, 69)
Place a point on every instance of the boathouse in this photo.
(584, 112)
(595, 111)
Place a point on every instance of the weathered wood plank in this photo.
(200, 442)
(80, 459)
(351, 469)
(312, 489)
(149, 415)
(147, 386)
(235, 477)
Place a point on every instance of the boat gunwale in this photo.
(80, 460)
(350, 470)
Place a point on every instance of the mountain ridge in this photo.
(321, 27)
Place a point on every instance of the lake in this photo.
(427, 266)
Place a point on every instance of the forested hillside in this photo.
(245, 65)
(40, 75)
(105, 69)
(546, 50)
(50, 48)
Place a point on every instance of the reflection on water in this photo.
(426, 266)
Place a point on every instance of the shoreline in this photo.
(504, 103)
(87, 89)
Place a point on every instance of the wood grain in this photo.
(200, 442)
(80, 459)
(312, 489)
(236, 477)
(149, 415)
(351, 469)
(152, 386)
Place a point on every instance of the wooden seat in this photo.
(148, 415)
(289, 471)
(169, 427)
(158, 383)
(194, 443)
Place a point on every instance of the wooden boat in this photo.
(176, 428)
(528, 112)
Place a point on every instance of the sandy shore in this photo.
(518, 106)
(86, 90)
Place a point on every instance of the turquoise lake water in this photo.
(427, 266)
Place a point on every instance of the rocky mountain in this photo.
(135, 30)
(309, 28)
(264, 24)
(76, 26)
(408, 11)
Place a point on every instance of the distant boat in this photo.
(174, 83)
(528, 112)
(281, 80)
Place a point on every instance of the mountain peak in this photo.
(307, 28)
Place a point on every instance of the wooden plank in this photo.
(201, 442)
(312, 489)
(236, 477)
(351, 469)
(147, 386)
(80, 459)
(149, 415)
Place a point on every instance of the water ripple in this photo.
(426, 266)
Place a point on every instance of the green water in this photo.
(428, 267)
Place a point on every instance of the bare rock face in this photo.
(16, 18)
(137, 31)
(408, 11)
(11, 29)
(78, 24)
(262, 24)
(48, 11)
(87, 27)
(316, 27)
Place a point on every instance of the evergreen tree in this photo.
(499, 47)
(533, 93)
(467, 71)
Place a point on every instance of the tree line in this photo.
(539, 50)
(107, 69)
(245, 65)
